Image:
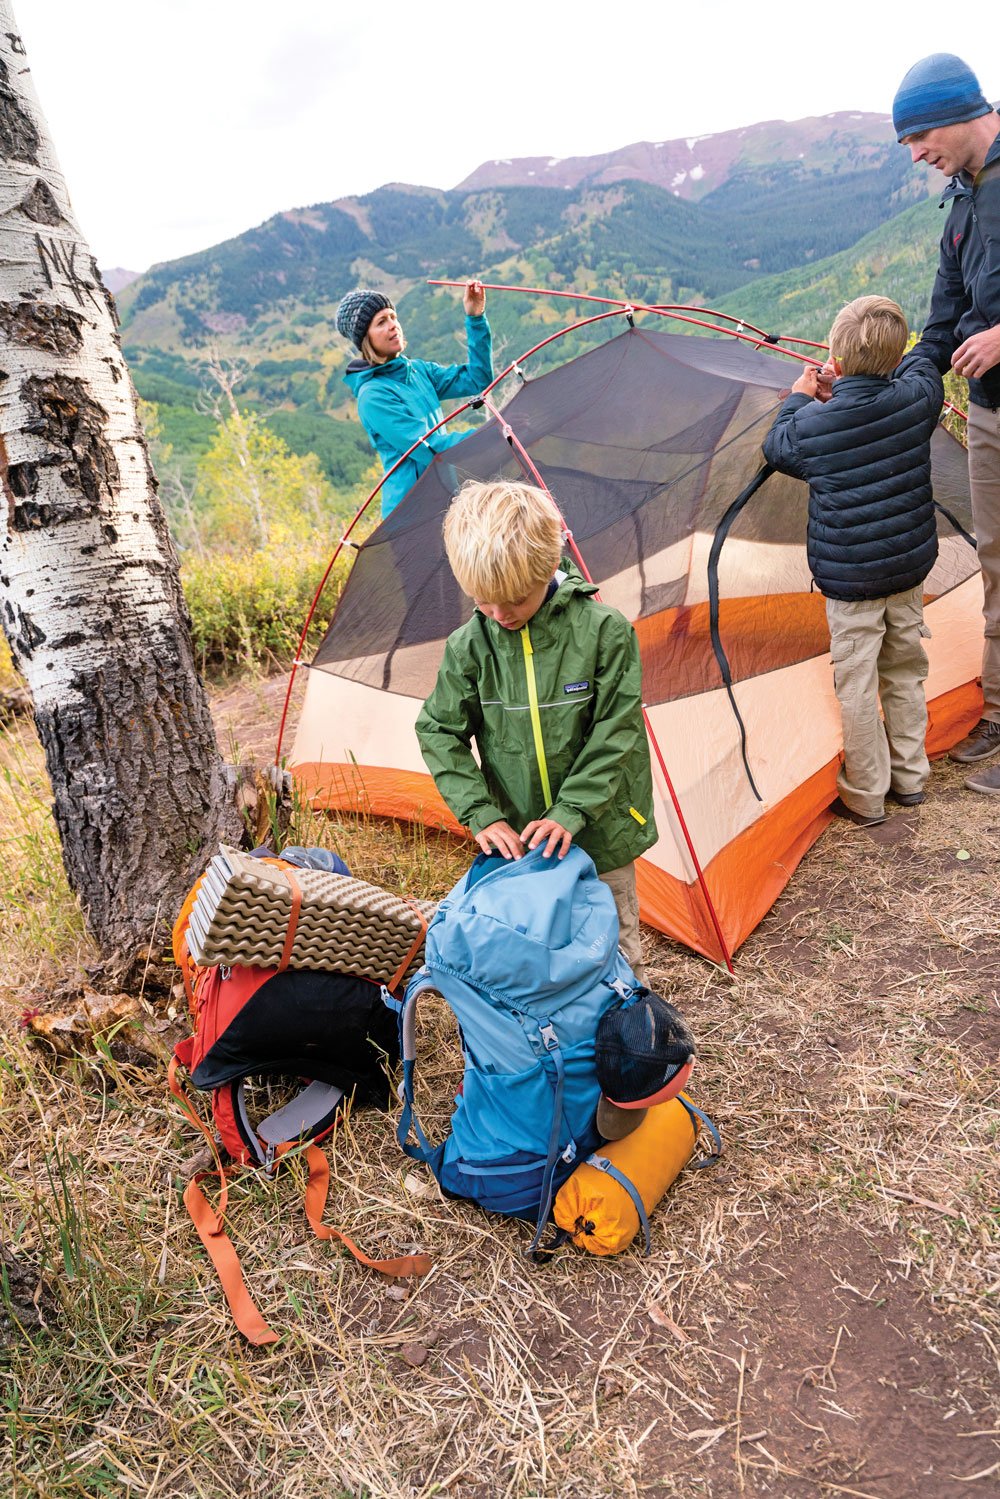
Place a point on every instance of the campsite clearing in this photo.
(818, 1316)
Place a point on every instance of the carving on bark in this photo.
(60, 256)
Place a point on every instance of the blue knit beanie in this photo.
(938, 90)
(356, 311)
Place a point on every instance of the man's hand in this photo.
(474, 300)
(546, 830)
(501, 838)
(978, 354)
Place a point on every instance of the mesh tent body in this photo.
(644, 442)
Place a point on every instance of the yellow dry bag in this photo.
(603, 1203)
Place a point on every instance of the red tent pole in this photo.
(511, 436)
(664, 308)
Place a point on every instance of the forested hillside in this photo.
(897, 260)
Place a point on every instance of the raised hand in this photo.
(474, 300)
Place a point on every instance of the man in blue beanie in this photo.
(940, 112)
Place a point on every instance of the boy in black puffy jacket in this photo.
(864, 450)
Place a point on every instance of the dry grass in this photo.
(818, 1316)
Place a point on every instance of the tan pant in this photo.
(877, 653)
(984, 477)
(621, 883)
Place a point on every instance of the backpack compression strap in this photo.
(418, 941)
(293, 919)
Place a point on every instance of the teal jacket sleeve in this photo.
(617, 735)
(470, 378)
(446, 725)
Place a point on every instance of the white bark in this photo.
(89, 582)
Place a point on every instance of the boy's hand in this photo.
(546, 830)
(474, 300)
(825, 378)
(808, 383)
(501, 838)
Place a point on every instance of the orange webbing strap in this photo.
(293, 919)
(316, 1190)
(209, 1223)
(186, 965)
(220, 1251)
(397, 977)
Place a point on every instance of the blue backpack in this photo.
(525, 952)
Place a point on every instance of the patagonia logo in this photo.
(576, 687)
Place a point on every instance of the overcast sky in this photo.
(182, 122)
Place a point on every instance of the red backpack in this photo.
(333, 1030)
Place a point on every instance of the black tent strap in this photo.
(721, 532)
(954, 521)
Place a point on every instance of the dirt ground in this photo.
(833, 1352)
(818, 1315)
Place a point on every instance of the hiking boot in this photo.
(841, 809)
(987, 781)
(907, 798)
(983, 742)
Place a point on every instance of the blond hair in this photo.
(369, 354)
(868, 336)
(502, 540)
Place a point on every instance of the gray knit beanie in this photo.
(938, 90)
(356, 311)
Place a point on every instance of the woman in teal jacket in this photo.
(399, 399)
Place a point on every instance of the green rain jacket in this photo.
(556, 713)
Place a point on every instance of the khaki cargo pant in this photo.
(984, 476)
(621, 883)
(877, 654)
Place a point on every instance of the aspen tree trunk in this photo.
(89, 587)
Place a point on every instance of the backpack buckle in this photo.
(549, 1038)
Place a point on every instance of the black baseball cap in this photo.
(644, 1052)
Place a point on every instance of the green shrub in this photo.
(247, 612)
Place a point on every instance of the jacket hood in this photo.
(359, 372)
(571, 582)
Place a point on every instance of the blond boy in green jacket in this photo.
(549, 685)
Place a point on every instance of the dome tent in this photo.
(644, 442)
